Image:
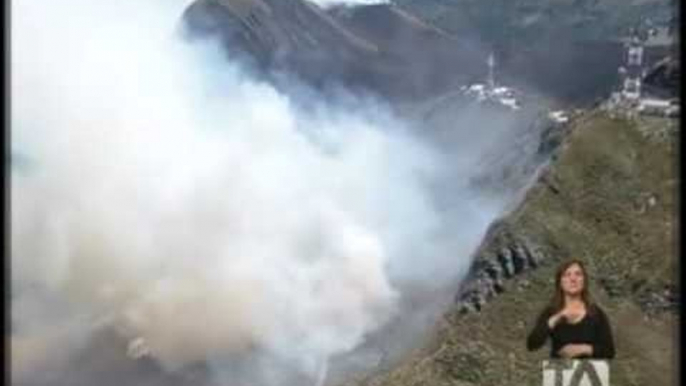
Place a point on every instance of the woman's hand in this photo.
(575, 350)
(555, 319)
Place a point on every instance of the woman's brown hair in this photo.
(557, 302)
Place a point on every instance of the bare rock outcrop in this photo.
(504, 255)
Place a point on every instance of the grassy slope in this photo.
(592, 203)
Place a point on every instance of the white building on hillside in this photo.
(491, 92)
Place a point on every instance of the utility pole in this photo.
(491, 75)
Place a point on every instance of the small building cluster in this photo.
(631, 100)
(492, 93)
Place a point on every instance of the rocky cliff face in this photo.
(378, 48)
(278, 32)
(504, 255)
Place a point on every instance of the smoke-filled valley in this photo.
(187, 214)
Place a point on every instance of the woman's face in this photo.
(572, 280)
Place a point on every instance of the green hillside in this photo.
(608, 198)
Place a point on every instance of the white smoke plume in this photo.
(191, 207)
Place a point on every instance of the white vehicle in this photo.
(510, 102)
(476, 88)
(658, 107)
(558, 116)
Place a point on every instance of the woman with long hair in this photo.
(577, 327)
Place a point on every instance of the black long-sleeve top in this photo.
(593, 329)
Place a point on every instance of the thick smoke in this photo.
(197, 211)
